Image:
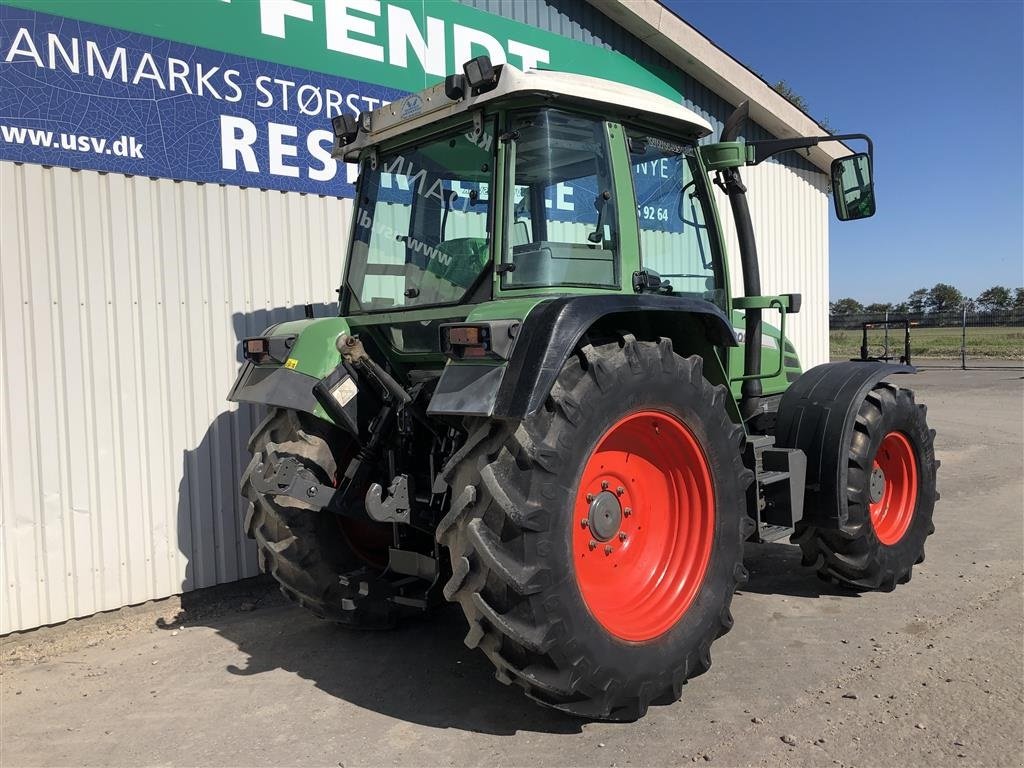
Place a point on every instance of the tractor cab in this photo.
(523, 184)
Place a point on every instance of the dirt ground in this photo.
(929, 675)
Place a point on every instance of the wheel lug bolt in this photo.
(627, 511)
(593, 544)
(604, 485)
(608, 549)
(620, 490)
(622, 536)
(590, 497)
(584, 523)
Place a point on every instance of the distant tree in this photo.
(791, 96)
(878, 308)
(995, 298)
(1018, 298)
(971, 305)
(944, 298)
(917, 300)
(846, 307)
(901, 308)
(786, 91)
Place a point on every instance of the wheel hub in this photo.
(605, 516)
(876, 485)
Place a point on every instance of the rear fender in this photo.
(289, 383)
(817, 415)
(552, 330)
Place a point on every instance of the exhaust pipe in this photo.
(731, 181)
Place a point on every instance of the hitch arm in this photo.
(288, 477)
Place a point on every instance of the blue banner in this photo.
(86, 96)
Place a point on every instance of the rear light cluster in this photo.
(466, 342)
(492, 340)
(267, 349)
(256, 350)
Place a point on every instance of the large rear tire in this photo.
(320, 563)
(596, 545)
(890, 497)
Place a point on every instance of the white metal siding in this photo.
(789, 207)
(123, 299)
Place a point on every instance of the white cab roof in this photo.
(603, 96)
(612, 96)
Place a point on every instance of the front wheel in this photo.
(890, 496)
(596, 545)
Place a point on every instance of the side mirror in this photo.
(853, 192)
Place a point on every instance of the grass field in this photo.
(1007, 343)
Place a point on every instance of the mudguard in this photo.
(517, 388)
(289, 383)
(817, 416)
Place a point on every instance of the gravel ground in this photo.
(928, 675)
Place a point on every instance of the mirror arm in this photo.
(769, 147)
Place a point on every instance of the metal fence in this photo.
(968, 337)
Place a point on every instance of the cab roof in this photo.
(602, 96)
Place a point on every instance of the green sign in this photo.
(402, 44)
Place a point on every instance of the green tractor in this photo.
(541, 402)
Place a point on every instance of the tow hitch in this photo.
(288, 477)
(336, 393)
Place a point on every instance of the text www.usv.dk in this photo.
(123, 146)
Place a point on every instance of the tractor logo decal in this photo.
(412, 106)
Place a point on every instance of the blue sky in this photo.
(939, 86)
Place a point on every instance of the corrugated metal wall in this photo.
(790, 211)
(122, 302)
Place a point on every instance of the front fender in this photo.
(289, 383)
(817, 415)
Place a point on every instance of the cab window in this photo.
(673, 216)
(563, 228)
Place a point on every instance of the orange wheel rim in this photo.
(643, 525)
(893, 488)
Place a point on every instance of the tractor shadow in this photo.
(775, 569)
(420, 673)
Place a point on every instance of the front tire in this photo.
(890, 497)
(628, 425)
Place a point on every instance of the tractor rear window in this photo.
(563, 227)
(420, 235)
